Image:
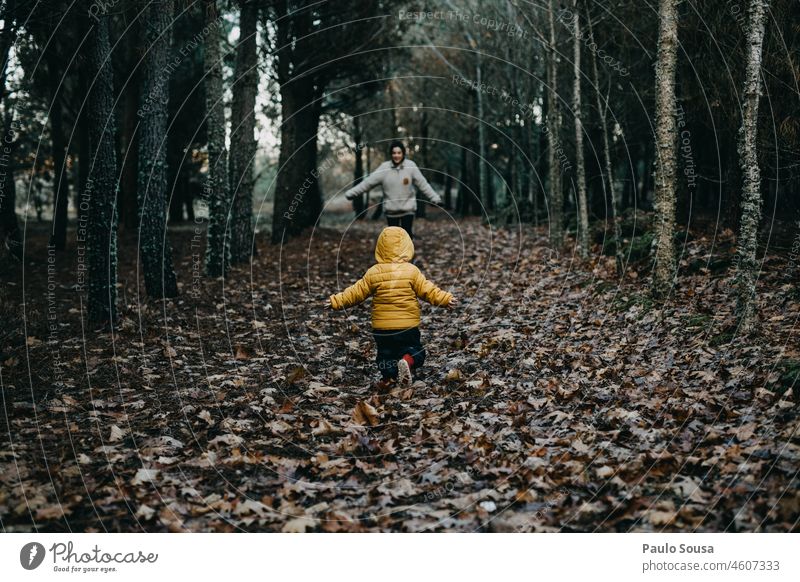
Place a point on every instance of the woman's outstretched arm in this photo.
(424, 187)
(367, 184)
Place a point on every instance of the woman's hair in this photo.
(397, 144)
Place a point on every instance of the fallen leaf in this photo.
(298, 525)
(365, 414)
(117, 434)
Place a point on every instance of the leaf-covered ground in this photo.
(554, 398)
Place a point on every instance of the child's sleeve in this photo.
(429, 292)
(353, 295)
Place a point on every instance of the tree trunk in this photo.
(243, 145)
(483, 191)
(9, 225)
(358, 171)
(154, 247)
(602, 109)
(647, 176)
(536, 145)
(177, 178)
(218, 249)
(491, 194)
(583, 213)
(422, 205)
(84, 143)
(128, 142)
(58, 237)
(101, 185)
(461, 203)
(556, 201)
(448, 186)
(298, 200)
(666, 142)
(747, 265)
(7, 38)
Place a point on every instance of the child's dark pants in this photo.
(393, 344)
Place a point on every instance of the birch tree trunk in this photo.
(102, 183)
(154, 247)
(583, 212)
(666, 142)
(243, 144)
(747, 265)
(553, 128)
(602, 109)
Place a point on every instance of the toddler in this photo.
(395, 284)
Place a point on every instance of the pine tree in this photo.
(243, 145)
(556, 202)
(154, 247)
(218, 250)
(102, 183)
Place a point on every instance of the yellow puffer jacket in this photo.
(394, 284)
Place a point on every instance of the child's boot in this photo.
(404, 370)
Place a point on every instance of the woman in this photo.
(397, 178)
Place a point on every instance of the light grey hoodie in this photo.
(398, 185)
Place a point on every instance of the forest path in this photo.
(553, 399)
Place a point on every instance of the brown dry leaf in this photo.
(453, 375)
(228, 439)
(145, 512)
(580, 446)
(299, 525)
(144, 476)
(51, 512)
(365, 414)
(660, 518)
(324, 427)
(117, 434)
(206, 415)
(279, 426)
(604, 472)
(689, 488)
(295, 374)
(746, 431)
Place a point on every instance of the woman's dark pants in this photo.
(406, 221)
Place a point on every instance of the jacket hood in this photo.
(394, 246)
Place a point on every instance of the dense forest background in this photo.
(614, 173)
